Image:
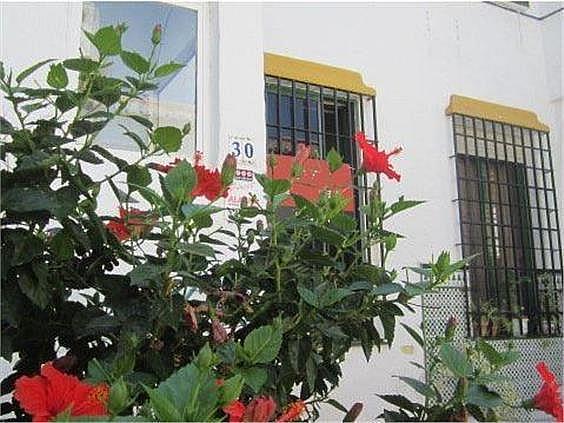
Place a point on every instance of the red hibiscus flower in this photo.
(549, 398)
(293, 412)
(53, 392)
(376, 161)
(260, 409)
(131, 224)
(209, 183)
(235, 411)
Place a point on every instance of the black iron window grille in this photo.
(320, 117)
(509, 220)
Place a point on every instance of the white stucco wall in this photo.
(415, 55)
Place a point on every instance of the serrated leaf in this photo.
(255, 377)
(57, 76)
(455, 361)
(231, 389)
(138, 176)
(262, 344)
(168, 138)
(419, 386)
(334, 160)
(167, 69)
(27, 72)
(135, 61)
(308, 296)
(179, 182)
(81, 64)
(107, 41)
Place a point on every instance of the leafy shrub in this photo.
(278, 312)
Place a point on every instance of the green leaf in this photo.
(414, 334)
(231, 389)
(163, 407)
(482, 397)
(145, 273)
(311, 373)
(333, 295)
(6, 127)
(403, 204)
(57, 76)
(308, 296)
(84, 127)
(337, 405)
(138, 176)
(255, 377)
(273, 187)
(262, 344)
(455, 361)
(107, 41)
(62, 245)
(419, 386)
(81, 64)
(167, 69)
(135, 62)
(35, 285)
(168, 138)
(180, 181)
(334, 160)
(27, 72)
(401, 402)
(119, 397)
(197, 249)
(387, 289)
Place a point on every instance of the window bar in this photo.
(483, 226)
(293, 116)
(337, 133)
(540, 301)
(492, 225)
(558, 269)
(306, 117)
(363, 183)
(374, 125)
(462, 239)
(501, 227)
(549, 230)
(322, 137)
(511, 227)
(279, 130)
(535, 312)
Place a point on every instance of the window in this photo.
(509, 220)
(309, 107)
(174, 102)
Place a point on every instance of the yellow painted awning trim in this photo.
(497, 112)
(315, 73)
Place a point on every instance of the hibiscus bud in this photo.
(272, 160)
(244, 202)
(353, 413)
(450, 328)
(218, 332)
(260, 225)
(260, 409)
(65, 364)
(119, 397)
(190, 318)
(157, 32)
(121, 28)
(228, 170)
(297, 170)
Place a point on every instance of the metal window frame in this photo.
(526, 149)
(356, 117)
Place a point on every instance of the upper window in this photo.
(324, 113)
(173, 103)
(509, 220)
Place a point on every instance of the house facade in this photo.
(472, 92)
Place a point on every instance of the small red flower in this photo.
(375, 160)
(549, 398)
(293, 412)
(209, 184)
(235, 411)
(53, 392)
(260, 409)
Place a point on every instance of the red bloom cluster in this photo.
(130, 224)
(549, 397)
(53, 392)
(210, 182)
(375, 160)
(262, 409)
